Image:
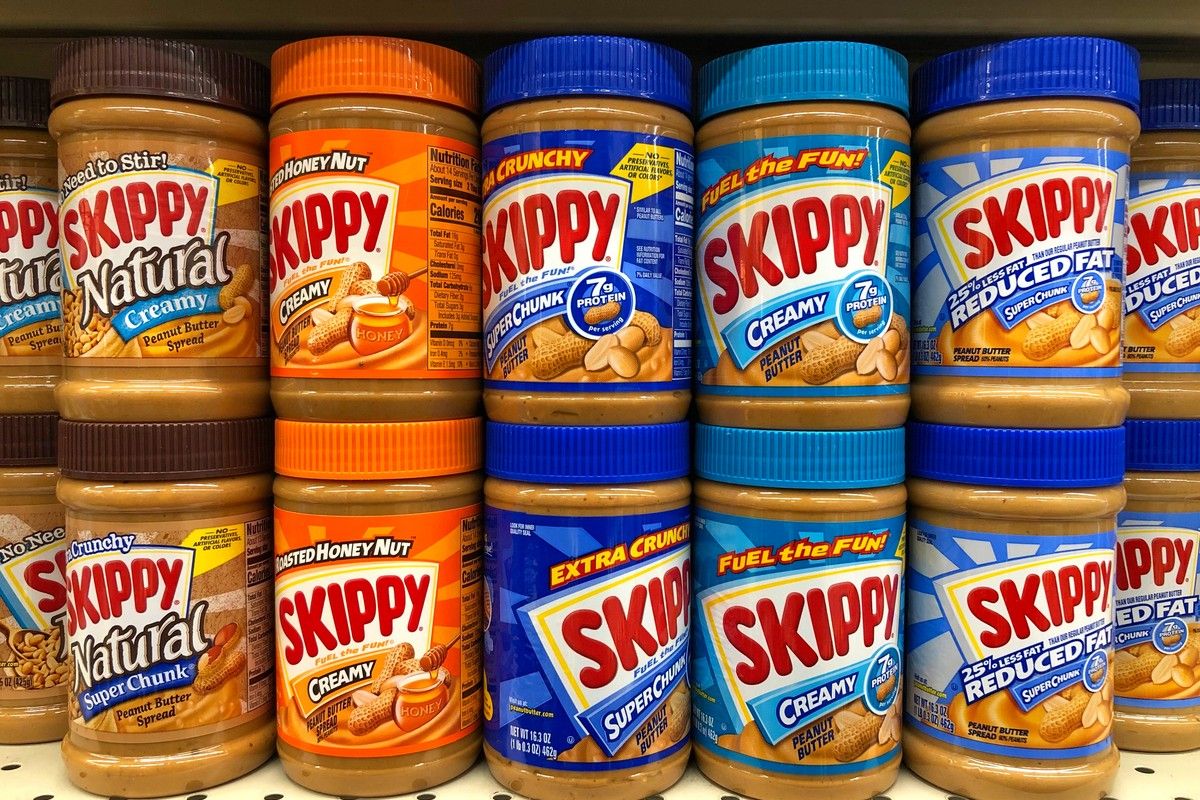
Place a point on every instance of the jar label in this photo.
(1009, 641)
(1162, 274)
(374, 255)
(378, 621)
(30, 273)
(169, 626)
(33, 597)
(1019, 263)
(797, 667)
(587, 262)
(803, 267)
(162, 253)
(1157, 663)
(586, 638)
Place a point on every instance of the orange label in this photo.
(378, 631)
(375, 255)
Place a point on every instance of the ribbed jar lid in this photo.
(161, 451)
(378, 450)
(1162, 445)
(1170, 104)
(28, 440)
(24, 102)
(587, 455)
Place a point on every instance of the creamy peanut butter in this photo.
(802, 246)
(1009, 645)
(168, 572)
(1019, 239)
(587, 601)
(160, 160)
(379, 604)
(799, 539)
(588, 182)
(374, 231)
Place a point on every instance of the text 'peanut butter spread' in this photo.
(30, 280)
(168, 573)
(1010, 597)
(802, 248)
(160, 162)
(799, 558)
(374, 231)
(1157, 661)
(33, 595)
(1019, 239)
(587, 609)
(379, 603)
(588, 182)
(1162, 262)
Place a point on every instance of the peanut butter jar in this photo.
(375, 218)
(1158, 597)
(587, 215)
(30, 281)
(33, 595)
(379, 603)
(587, 609)
(802, 261)
(161, 152)
(1019, 240)
(168, 574)
(799, 539)
(1009, 642)
(1161, 359)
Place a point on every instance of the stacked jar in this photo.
(1023, 164)
(803, 180)
(165, 442)
(587, 285)
(374, 330)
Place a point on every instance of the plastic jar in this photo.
(169, 596)
(1011, 561)
(374, 231)
(1161, 347)
(379, 603)
(800, 541)
(160, 161)
(1022, 151)
(587, 612)
(33, 663)
(30, 313)
(1157, 662)
(587, 256)
(802, 253)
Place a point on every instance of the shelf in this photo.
(34, 772)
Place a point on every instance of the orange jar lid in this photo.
(366, 451)
(374, 65)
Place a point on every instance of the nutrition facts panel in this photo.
(454, 299)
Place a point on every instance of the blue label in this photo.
(797, 655)
(586, 644)
(802, 260)
(1158, 609)
(1019, 263)
(1009, 639)
(587, 244)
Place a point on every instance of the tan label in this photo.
(169, 626)
(32, 600)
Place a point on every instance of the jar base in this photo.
(33, 724)
(1163, 395)
(1157, 733)
(634, 783)
(378, 777)
(1014, 403)
(573, 408)
(136, 392)
(762, 785)
(28, 390)
(807, 413)
(366, 400)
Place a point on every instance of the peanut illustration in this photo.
(363, 287)
(543, 337)
(331, 333)
(358, 271)
(596, 359)
(82, 341)
(236, 312)
(853, 739)
(395, 657)
(556, 358)
(602, 313)
(624, 362)
(40, 659)
(866, 362)
(1184, 339)
(631, 338)
(1059, 723)
(823, 364)
(210, 676)
(367, 718)
(241, 284)
(679, 714)
(867, 317)
(649, 325)
(1130, 671)
(1044, 341)
(1089, 297)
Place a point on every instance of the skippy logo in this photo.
(1156, 579)
(617, 646)
(538, 236)
(33, 584)
(774, 263)
(1162, 262)
(772, 634)
(30, 276)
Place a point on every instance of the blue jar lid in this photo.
(800, 459)
(1162, 445)
(558, 66)
(804, 71)
(1170, 104)
(1021, 457)
(591, 455)
(1046, 66)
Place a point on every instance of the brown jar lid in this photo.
(135, 65)
(24, 102)
(28, 440)
(160, 451)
